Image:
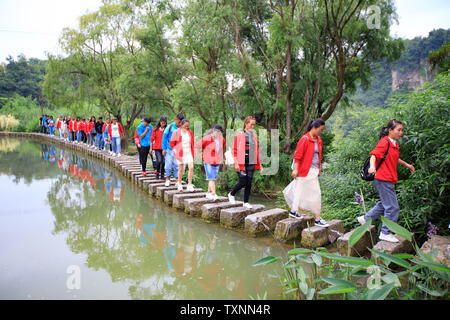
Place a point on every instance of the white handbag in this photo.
(229, 160)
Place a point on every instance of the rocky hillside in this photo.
(408, 73)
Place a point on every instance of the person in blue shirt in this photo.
(144, 131)
(169, 156)
(44, 123)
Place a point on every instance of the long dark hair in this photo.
(163, 119)
(315, 123)
(391, 125)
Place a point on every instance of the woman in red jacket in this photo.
(212, 145)
(246, 159)
(386, 177)
(304, 191)
(182, 143)
(156, 140)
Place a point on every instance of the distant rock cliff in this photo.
(412, 79)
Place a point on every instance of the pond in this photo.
(71, 228)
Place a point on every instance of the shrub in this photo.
(423, 196)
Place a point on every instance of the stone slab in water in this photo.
(178, 199)
(403, 246)
(161, 190)
(168, 195)
(152, 186)
(367, 240)
(194, 206)
(290, 229)
(211, 211)
(256, 223)
(235, 217)
(316, 236)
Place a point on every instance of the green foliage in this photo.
(23, 109)
(317, 274)
(22, 77)
(418, 50)
(440, 58)
(423, 196)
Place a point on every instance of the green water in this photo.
(58, 209)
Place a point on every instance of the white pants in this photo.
(304, 193)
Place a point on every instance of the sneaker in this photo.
(118, 154)
(361, 220)
(155, 172)
(321, 223)
(231, 199)
(294, 214)
(214, 197)
(167, 183)
(144, 174)
(180, 188)
(247, 205)
(190, 188)
(209, 196)
(388, 237)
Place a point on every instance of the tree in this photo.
(310, 54)
(102, 52)
(22, 76)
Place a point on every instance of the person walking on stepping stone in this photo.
(304, 191)
(144, 131)
(386, 177)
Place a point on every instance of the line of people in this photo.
(174, 148)
(96, 134)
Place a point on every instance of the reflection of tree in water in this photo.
(159, 255)
(23, 162)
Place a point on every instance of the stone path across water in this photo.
(256, 221)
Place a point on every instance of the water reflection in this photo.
(155, 252)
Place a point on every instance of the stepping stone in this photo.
(442, 245)
(235, 217)
(145, 184)
(141, 180)
(194, 206)
(403, 246)
(160, 191)
(256, 223)
(360, 247)
(152, 187)
(168, 194)
(291, 229)
(315, 236)
(178, 198)
(211, 211)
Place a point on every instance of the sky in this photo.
(32, 27)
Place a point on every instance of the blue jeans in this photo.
(99, 138)
(116, 144)
(78, 136)
(211, 171)
(387, 206)
(171, 163)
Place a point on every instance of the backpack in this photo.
(365, 175)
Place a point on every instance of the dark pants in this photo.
(83, 136)
(74, 135)
(143, 155)
(245, 181)
(159, 162)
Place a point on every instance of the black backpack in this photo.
(365, 175)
